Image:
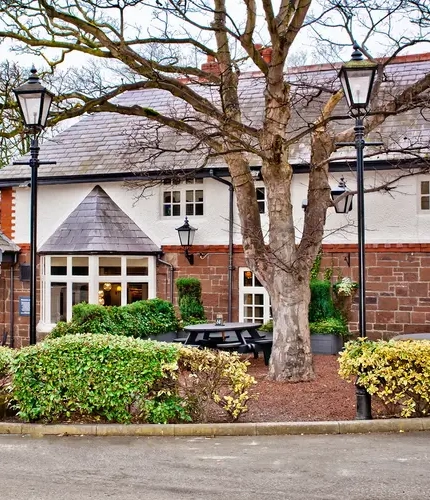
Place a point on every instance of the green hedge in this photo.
(187, 285)
(190, 300)
(124, 380)
(113, 377)
(321, 305)
(140, 319)
(6, 356)
(329, 326)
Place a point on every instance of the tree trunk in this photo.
(291, 358)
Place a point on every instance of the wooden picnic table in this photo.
(208, 330)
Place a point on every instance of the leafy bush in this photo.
(398, 372)
(192, 311)
(124, 380)
(329, 326)
(190, 300)
(139, 319)
(267, 327)
(188, 286)
(117, 378)
(210, 376)
(6, 357)
(321, 305)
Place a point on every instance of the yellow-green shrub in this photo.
(398, 372)
(210, 376)
(6, 356)
(117, 378)
(122, 379)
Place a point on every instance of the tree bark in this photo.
(291, 358)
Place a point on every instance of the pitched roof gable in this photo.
(98, 225)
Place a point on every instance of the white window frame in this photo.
(261, 201)
(420, 180)
(93, 279)
(252, 290)
(189, 185)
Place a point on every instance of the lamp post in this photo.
(186, 237)
(357, 77)
(34, 103)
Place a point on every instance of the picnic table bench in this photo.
(248, 338)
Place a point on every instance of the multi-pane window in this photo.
(171, 203)
(109, 280)
(254, 300)
(182, 199)
(261, 199)
(194, 202)
(425, 195)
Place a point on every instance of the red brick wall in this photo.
(397, 283)
(20, 331)
(397, 287)
(211, 267)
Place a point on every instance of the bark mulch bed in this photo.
(327, 397)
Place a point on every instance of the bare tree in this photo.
(165, 57)
(12, 141)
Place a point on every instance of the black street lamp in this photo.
(357, 77)
(34, 102)
(186, 237)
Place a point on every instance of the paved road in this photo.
(368, 467)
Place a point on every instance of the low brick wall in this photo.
(397, 286)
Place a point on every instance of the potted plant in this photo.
(327, 335)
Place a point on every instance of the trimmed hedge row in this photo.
(99, 375)
(140, 319)
(398, 372)
(122, 379)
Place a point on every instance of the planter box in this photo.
(326, 344)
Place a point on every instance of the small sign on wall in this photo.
(24, 306)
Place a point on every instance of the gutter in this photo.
(336, 166)
(230, 243)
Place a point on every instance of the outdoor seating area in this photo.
(240, 337)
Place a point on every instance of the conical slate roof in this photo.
(98, 225)
(7, 245)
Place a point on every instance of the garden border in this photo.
(215, 430)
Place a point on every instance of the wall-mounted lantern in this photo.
(186, 237)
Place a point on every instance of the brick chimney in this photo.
(267, 54)
(211, 66)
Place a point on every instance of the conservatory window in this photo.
(106, 280)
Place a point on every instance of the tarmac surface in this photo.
(383, 466)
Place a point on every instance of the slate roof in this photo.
(98, 225)
(111, 143)
(7, 245)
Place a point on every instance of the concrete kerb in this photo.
(215, 430)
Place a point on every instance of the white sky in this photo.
(303, 43)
